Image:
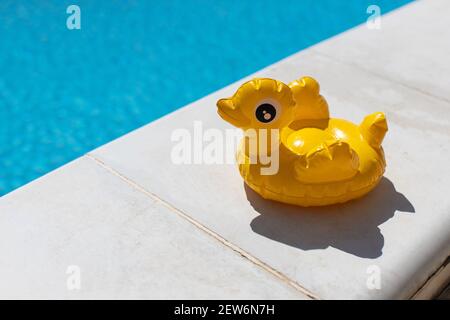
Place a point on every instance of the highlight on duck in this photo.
(322, 160)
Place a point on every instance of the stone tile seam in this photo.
(440, 269)
(380, 76)
(253, 260)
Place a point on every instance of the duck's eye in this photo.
(265, 112)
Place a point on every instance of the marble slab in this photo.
(84, 233)
(399, 231)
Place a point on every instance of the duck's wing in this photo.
(328, 162)
(309, 103)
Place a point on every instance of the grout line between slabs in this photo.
(211, 233)
(441, 270)
(380, 76)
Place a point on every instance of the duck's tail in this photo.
(374, 128)
(328, 162)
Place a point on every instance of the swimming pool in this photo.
(64, 92)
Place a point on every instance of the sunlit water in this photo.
(64, 92)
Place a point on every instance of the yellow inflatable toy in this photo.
(321, 160)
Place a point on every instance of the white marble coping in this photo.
(139, 226)
(85, 220)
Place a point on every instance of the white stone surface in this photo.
(411, 47)
(401, 228)
(126, 245)
(130, 246)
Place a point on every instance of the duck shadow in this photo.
(352, 227)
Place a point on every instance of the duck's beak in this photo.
(228, 111)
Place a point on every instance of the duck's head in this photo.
(259, 104)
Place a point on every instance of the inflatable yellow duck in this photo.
(322, 160)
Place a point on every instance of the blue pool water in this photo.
(64, 92)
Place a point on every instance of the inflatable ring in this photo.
(320, 160)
